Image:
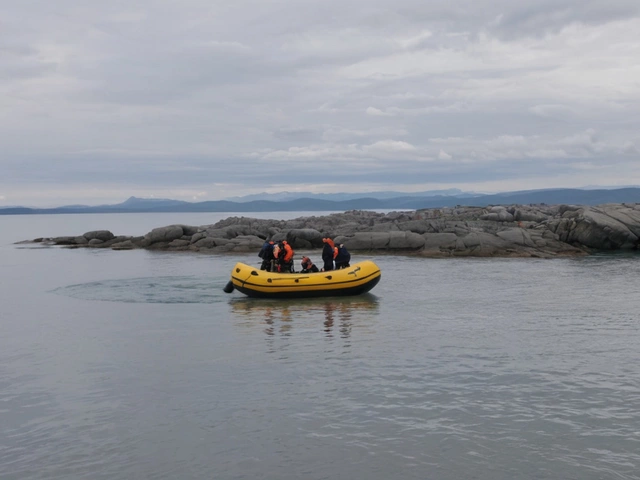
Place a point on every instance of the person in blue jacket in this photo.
(266, 254)
(343, 257)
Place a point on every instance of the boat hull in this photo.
(354, 280)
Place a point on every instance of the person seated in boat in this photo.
(328, 254)
(308, 266)
(343, 257)
(266, 254)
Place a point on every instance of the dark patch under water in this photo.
(167, 289)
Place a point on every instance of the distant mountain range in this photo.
(338, 197)
(292, 202)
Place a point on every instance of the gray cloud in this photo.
(201, 100)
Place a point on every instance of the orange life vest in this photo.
(288, 252)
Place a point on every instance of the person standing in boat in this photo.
(286, 263)
(343, 257)
(308, 266)
(266, 254)
(328, 254)
(277, 257)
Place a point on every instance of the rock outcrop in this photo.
(498, 231)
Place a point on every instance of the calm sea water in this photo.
(135, 365)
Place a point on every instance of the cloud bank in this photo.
(206, 100)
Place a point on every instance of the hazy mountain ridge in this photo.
(551, 197)
(380, 195)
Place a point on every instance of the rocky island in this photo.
(543, 231)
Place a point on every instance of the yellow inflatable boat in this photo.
(357, 279)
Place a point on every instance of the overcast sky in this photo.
(207, 99)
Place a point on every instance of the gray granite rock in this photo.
(515, 230)
(126, 245)
(164, 234)
(304, 238)
(103, 235)
(179, 243)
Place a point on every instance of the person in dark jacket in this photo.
(328, 253)
(266, 254)
(308, 266)
(343, 257)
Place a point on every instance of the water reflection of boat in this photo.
(341, 310)
(354, 280)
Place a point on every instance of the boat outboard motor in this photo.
(228, 288)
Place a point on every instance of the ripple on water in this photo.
(167, 289)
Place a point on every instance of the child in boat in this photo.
(308, 266)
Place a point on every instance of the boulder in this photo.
(384, 227)
(108, 243)
(416, 226)
(304, 238)
(594, 228)
(365, 241)
(525, 215)
(251, 242)
(383, 241)
(68, 240)
(126, 245)
(210, 242)
(405, 241)
(497, 216)
(164, 234)
(103, 235)
(189, 230)
(627, 215)
(480, 244)
(178, 243)
(198, 236)
(439, 241)
(233, 231)
(517, 236)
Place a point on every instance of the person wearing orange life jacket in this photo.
(286, 261)
(308, 266)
